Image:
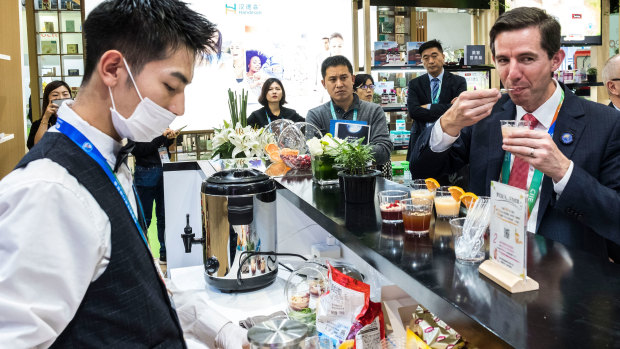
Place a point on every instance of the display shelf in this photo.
(394, 107)
(192, 145)
(55, 29)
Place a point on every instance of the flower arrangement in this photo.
(241, 142)
(327, 145)
(324, 153)
(237, 139)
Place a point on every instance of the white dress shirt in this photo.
(441, 141)
(55, 242)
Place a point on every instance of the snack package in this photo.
(345, 316)
(436, 333)
(414, 342)
(369, 329)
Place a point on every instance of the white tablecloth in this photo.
(234, 306)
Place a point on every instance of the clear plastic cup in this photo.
(464, 252)
(508, 126)
(417, 214)
(446, 206)
(390, 204)
(420, 190)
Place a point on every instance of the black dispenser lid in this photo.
(238, 182)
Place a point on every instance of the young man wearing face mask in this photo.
(76, 267)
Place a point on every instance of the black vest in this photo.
(128, 305)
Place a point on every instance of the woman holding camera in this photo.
(54, 91)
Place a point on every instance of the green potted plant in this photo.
(591, 74)
(357, 180)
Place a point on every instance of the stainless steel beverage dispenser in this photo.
(239, 230)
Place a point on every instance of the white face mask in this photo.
(148, 121)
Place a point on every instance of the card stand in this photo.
(503, 277)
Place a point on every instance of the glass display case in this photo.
(394, 24)
(397, 79)
(192, 145)
(57, 46)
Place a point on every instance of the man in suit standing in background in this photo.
(611, 78)
(572, 148)
(431, 94)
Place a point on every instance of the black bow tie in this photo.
(121, 158)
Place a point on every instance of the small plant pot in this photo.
(359, 189)
(591, 78)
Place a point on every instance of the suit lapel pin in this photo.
(567, 138)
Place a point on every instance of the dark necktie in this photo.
(123, 154)
(520, 168)
(434, 90)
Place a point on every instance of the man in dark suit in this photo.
(579, 196)
(431, 94)
(611, 78)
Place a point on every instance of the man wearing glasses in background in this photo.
(431, 94)
(611, 78)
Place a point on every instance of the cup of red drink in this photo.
(417, 215)
(391, 206)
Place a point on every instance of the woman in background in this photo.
(55, 90)
(272, 97)
(364, 87)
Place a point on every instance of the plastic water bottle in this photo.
(407, 173)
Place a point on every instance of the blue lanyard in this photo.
(81, 141)
(268, 119)
(331, 104)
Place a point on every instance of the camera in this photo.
(59, 102)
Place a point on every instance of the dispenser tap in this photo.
(188, 237)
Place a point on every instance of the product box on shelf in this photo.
(49, 47)
(70, 26)
(386, 52)
(49, 27)
(72, 49)
(413, 53)
(383, 86)
(474, 54)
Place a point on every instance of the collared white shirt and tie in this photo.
(441, 141)
(435, 90)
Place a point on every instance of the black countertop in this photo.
(577, 305)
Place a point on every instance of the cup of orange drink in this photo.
(447, 202)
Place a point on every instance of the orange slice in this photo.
(289, 151)
(468, 199)
(431, 184)
(456, 192)
(275, 156)
(271, 147)
(277, 169)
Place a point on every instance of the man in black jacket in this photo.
(431, 94)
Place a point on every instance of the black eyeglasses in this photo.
(616, 79)
(365, 87)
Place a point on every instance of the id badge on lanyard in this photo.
(163, 155)
(334, 120)
(89, 148)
